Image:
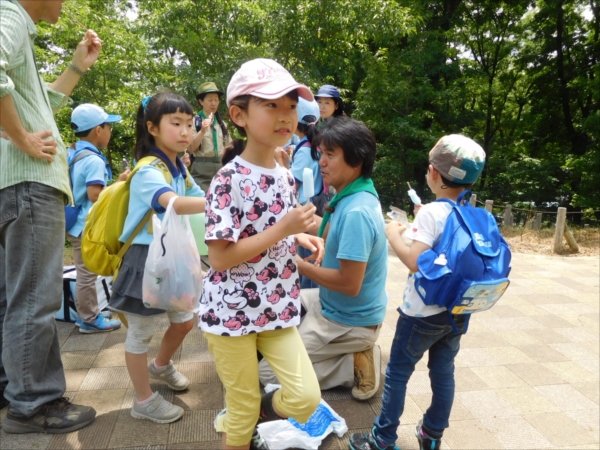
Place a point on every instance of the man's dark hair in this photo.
(85, 133)
(354, 138)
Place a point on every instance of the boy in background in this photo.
(89, 175)
(455, 164)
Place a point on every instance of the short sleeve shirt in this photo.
(147, 185)
(262, 293)
(357, 233)
(88, 171)
(427, 228)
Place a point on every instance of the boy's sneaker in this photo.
(99, 325)
(170, 375)
(57, 416)
(107, 314)
(426, 442)
(156, 409)
(367, 371)
(368, 441)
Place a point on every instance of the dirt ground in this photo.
(541, 242)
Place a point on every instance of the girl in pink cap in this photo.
(253, 227)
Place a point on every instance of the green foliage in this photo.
(521, 77)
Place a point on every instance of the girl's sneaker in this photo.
(100, 325)
(426, 442)
(156, 409)
(170, 375)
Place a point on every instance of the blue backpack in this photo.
(467, 270)
(72, 212)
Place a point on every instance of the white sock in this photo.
(143, 402)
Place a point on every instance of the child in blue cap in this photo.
(89, 172)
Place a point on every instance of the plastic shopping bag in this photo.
(288, 433)
(173, 274)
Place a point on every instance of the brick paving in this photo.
(527, 375)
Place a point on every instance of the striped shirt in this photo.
(34, 101)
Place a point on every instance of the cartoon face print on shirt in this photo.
(268, 315)
(289, 312)
(223, 193)
(295, 292)
(218, 277)
(240, 298)
(257, 209)
(266, 181)
(277, 294)
(212, 220)
(278, 205)
(236, 216)
(268, 273)
(241, 169)
(290, 268)
(210, 318)
(238, 321)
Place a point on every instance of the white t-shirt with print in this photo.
(263, 293)
(427, 228)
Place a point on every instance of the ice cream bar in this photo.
(308, 183)
(413, 195)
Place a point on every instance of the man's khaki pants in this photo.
(330, 345)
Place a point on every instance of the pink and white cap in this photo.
(264, 78)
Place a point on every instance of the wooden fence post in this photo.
(473, 200)
(571, 239)
(508, 216)
(561, 218)
(537, 223)
(488, 205)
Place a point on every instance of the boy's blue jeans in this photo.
(414, 336)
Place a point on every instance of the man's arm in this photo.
(347, 280)
(33, 144)
(86, 54)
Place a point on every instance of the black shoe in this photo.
(366, 441)
(426, 442)
(257, 442)
(3, 402)
(58, 416)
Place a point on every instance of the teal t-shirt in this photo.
(357, 233)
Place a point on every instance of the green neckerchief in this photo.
(214, 132)
(359, 185)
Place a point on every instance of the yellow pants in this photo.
(237, 366)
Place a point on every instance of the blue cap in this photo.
(328, 90)
(308, 112)
(88, 116)
(458, 158)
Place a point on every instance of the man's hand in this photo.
(36, 146)
(87, 51)
(123, 176)
(313, 243)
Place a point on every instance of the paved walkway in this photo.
(527, 375)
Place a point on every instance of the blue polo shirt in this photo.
(357, 233)
(302, 159)
(88, 171)
(147, 185)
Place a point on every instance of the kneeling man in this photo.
(345, 314)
